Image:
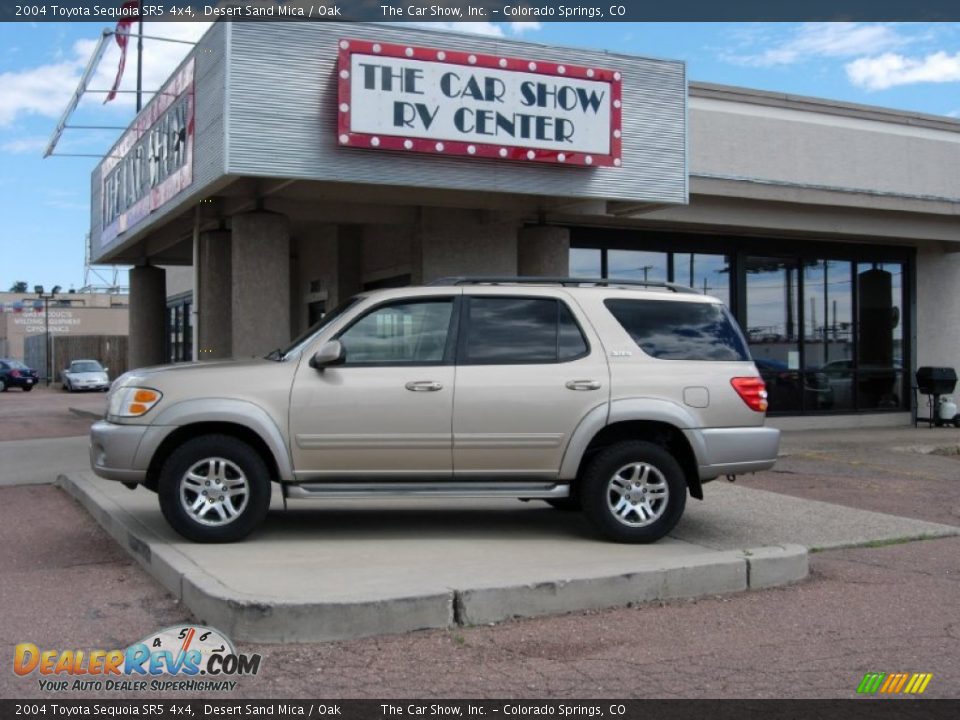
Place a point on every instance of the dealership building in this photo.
(292, 165)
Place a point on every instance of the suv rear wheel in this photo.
(214, 488)
(634, 492)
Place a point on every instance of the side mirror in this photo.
(106, 370)
(330, 353)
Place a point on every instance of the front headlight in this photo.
(133, 401)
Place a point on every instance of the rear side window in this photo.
(519, 330)
(680, 330)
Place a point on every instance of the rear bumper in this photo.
(733, 451)
(22, 381)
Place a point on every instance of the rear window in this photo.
(680, 330)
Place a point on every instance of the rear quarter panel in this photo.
(634, 374)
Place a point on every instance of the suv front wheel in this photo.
(214, 488)
(634, 492)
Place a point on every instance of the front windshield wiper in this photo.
(275, 355)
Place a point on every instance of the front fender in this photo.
(225, 410)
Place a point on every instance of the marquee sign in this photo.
(448, 102)
(153, 160)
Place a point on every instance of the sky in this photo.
(44, 203)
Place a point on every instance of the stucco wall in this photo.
(938, 308)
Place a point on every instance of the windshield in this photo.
(297, 344)
(16, 365)
(85, 366)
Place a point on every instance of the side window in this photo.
(406, 332)
(520, 330)
(676, 330)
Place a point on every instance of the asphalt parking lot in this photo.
(889, 608)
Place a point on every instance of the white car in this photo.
(86, 375)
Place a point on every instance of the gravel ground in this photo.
(48, 412)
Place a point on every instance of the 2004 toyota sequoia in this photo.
(593, 395)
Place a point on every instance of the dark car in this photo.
(788, 388)
(14, 373)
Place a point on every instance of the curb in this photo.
(260, 619)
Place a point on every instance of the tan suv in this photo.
(604, 396)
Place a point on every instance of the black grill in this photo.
(936, 380)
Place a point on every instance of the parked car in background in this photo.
(85, 375)
(786, 386)
(14, 373)
(878, 386)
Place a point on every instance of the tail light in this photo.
(14, 373)
(752, 390)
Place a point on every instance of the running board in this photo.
(323, 491)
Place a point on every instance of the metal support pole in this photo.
(46, 322)
(140, 65)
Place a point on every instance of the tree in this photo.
(20, 286)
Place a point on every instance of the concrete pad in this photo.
(775, 566)
(340, 569)
(32, 462)
(352, 568)
(674, 575)
(732, 517)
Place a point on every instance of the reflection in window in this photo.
(828, 328)
(772, 332)
(414, 332)
(586, 262)
(708, 274)
(680, 330)
(637, 265)
(503, 330)
(880, 335)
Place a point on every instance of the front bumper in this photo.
(733, 451)
(113, 451)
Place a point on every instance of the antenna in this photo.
(90, 270)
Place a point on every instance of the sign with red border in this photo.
(449, 102)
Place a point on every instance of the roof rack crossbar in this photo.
(564, 281)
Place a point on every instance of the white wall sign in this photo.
(415, 99)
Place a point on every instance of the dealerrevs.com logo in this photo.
(182, 658)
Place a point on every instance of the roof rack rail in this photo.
(564, 281)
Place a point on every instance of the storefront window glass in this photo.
(709, 274)
(828, 330)
(586, 262)
(880, 335)
(773, 332)
(637, 265)
(827, 333)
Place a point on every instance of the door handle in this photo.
(583, 384)
(423, 386)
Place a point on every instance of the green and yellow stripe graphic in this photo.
(894, 683)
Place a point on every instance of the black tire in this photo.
(567, 504)
(643, 522)
(206, 451)
(3, 385)
(27, 388)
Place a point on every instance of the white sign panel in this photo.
(440, 101)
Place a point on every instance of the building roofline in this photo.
(732, 93)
